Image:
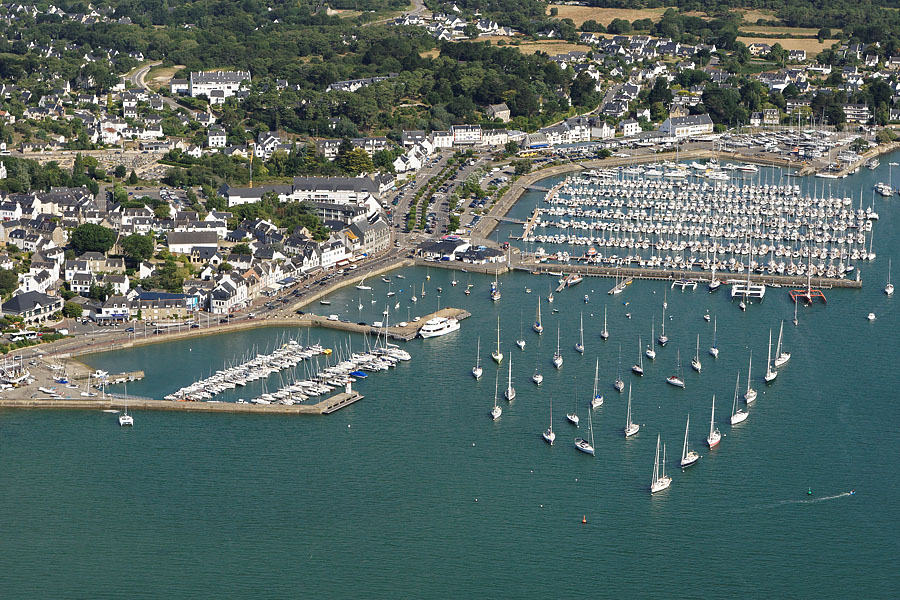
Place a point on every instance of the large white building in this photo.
(682, 127)
(228, 83)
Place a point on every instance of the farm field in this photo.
(812, 46)
(605, 16)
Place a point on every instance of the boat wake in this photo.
(809, 500)
(110, 410)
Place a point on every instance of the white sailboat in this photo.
(750, 394)
(630, 428)
(659, 481)
(538, 326)
(582, 444)
(477, 370)
(557, 358)
(771, 373)
(362, 285)
(573, 416)
(677, 379)
(714, 436)
(597, 399)
(737, 415)
(714, 349)
(638, 367)
(496, 354)
(619, 383)
(796, 320)
(650, 352)
(126, 420)
(496, 411)
(889, 287)
(781, 357)
(663, 339)
(604, 333)
(549, 436)
(521, 341)
(510, 393)
(579, 346)
(695, 362)
(688, 457)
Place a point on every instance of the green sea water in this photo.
(415, 492)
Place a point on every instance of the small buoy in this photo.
(576, 480)
(473, 443)
(348, 425)
(583, 519)
(476, 499)
(542, 506)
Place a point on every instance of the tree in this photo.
(137, 246)
(355, 161)
(510, 148)
(72, 310)
(92, 238)
(660, 92)
(9, 281)
(120, 171)
(522, 166)
(618, 26)
(823, 34)
(242, 249)
(583, 91)
(162, 211)
(133, 178)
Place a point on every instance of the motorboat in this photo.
(438, 326)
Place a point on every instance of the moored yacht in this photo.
(438, 326)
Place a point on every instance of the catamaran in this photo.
(737, 415)
(619, 384)
(510, 393)
(549, 436)
(771, 373)
(630, 428)
(477, 370)
(557, 358)
(660, 481)
(538, 327)
(889, 287)
(579, 345)
(496, 354)
(582, 444)
(714, 436)
(750, 394)
(573, 416)
(604, 333)
(714, 350)
(126, 420)
(597, 399)
(677, 379)
(496, 411)
(650, 352)
(638, 367)
(781, 357)
(695, 362)
(688, 457)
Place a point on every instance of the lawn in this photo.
(812, 46)
(159, 77)
(751, 16)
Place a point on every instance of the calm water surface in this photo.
(414, 492)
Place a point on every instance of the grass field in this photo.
(433, 53)
(812, 47)
(605, 16)
(159, 77)
(551, 47)
(751, 16)
(792, 31)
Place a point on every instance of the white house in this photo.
(683, 127)
(630, 127)
(466, 135)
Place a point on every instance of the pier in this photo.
(325, 407)
(396, 332)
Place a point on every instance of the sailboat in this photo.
(604, 333)
(688, 457)
(630, 428)
(619, 384)
(537, 378)
(677, 379)
(496, 411)
(126, 420)
(695, 362)
(638, 367)
(521, 341)
(750, 394)
(714, 436)
(771, 373)
(796, 320)
(362, 285)
(663, 339)
(889, 287)
(496, 354)
(714, 350)
(737, 415)
(550, 295)
(549, 436)
(538, 327)
(557, 358)
(573, 416)
(510, 393)
(660, 481)
(650, 352)
(579, 346)
(597, 399)
(781, 357)
(582, 444)
(476, 370)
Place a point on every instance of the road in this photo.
(137, 79)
